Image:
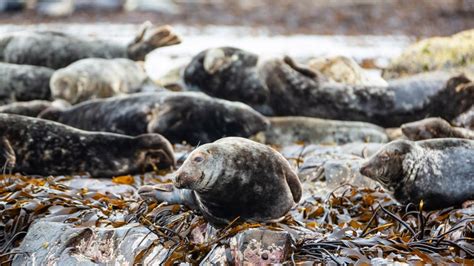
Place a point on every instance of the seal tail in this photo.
(149, 38)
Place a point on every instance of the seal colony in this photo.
(282, 87)
(438, 172)
(179, 116)
(234, 178)
(39, 147)
(92, 78)
(57, 50)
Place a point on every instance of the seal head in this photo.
(427, 129)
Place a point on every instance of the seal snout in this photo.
(366, 170)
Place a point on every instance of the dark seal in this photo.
(234, 178)
(465, 119)
(431, 128)
(24, 83)
(228, 73)
(295, 91)
(57, 50)
(438, 171)
(40, 147)
(179, 116)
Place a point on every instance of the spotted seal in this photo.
(434, 127)
(57, 50)
(438, 171)
(234, 178)
(32, 108)
(179, 116)
(92, 78)
(24, 83)
(41, 147)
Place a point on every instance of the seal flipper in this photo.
(148, 40)
(7, 153)
(295, 186)
(168, 193)
(306, 71)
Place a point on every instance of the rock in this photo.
(344, 70)
(438, 53)
(64, 244)
(260, 247)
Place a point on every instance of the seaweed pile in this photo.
(350, 225)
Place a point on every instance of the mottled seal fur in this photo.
(294, 92)
(41, 147)
(32, 108)
(92, 78)
(438, 171)
(288, 130)
(234, 178)
(434, 127)
(24, 83)
(57, 50)
(179, 116)
(465, 119)
(228, 73)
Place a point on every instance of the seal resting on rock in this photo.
(434, 127)
(297, 92)
(234, 178)
(92, 78)
(40, 147)
(24, 83)
(438, 171)
(179, 116)
(32, 108)
(228, 73)
(57, 50)
(293, 129)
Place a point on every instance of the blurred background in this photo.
(370, 31)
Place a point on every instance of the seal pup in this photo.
(434, 127)
(92, 78)
(228, 73)
(40, 147)
(24, 83)
(179, 116)
(294, 129)
(438, 171)
(57, 50)
(295, 92)
(32, 108)
(465, 119)
(234, 178)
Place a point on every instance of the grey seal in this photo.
(32, 108)
(234, 178)
(57, 50)
(434, 127)
(439, 171)
(24, 83)
(93, 78)
(179, 116)
(295, 129)
(35, 146)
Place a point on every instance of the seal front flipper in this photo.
(7, 153)
(168, 193)
(295, 185)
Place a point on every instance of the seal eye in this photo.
(384, 157)
(198, 159)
